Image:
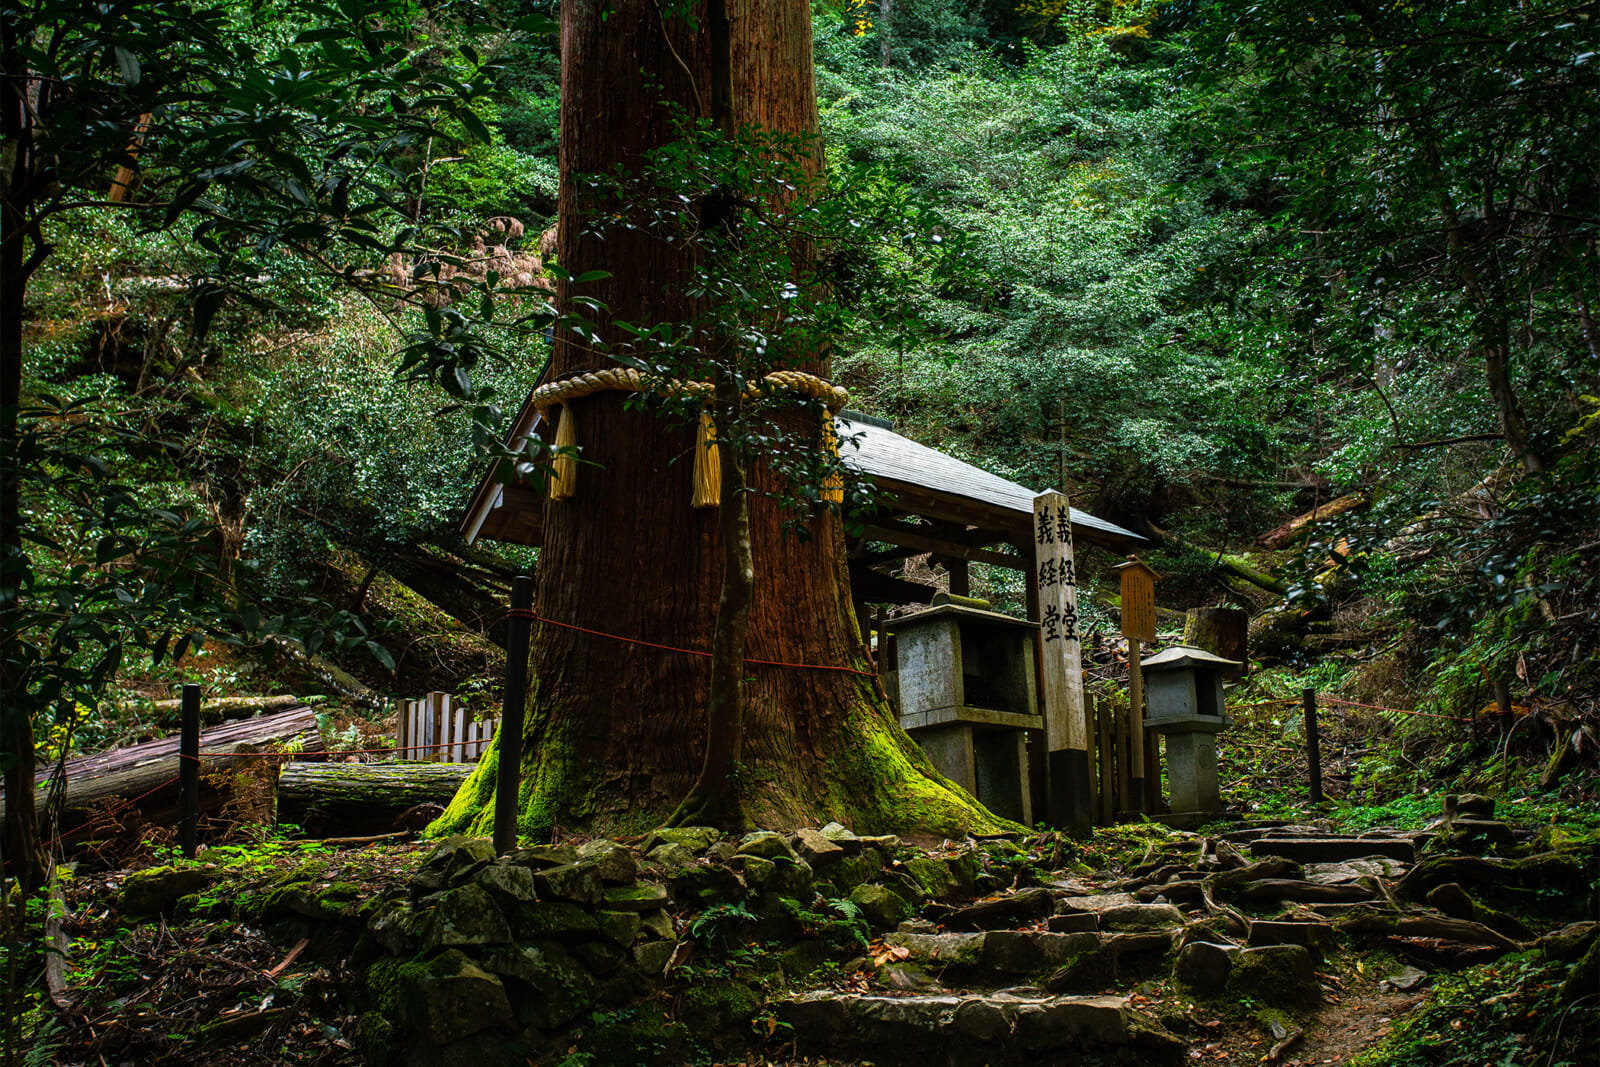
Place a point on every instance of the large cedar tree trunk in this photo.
(616, 729)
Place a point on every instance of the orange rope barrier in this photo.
(515, 613)
(1397, 711)
(1264, 704)
(104, 815)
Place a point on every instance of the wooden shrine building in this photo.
(929, 503)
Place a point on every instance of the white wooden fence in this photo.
(433, 729)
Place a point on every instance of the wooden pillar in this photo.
(1127, 799)
(1138, 626)
(1104, 719)
(1152, 772)
(1308, 698)
(508, 772)
(189, 772)
(1136, 760)
(960, 580)
(1038, 755)
(1069, 776)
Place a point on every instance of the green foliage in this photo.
(1506, 1012)
(1073, 346)
(722, 927)
(120, 568)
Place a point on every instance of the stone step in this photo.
(1304, 892)
(998, 953)
(1018, 909)
(1328, 849)
(988, 1028)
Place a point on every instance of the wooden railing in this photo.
(434, 728)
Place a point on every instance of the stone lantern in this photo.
(1183, 700)
(966, 692)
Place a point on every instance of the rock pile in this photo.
(978, 952)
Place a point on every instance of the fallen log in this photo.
(350, 799)
(148, 773)
(1301, 524)
(220, 708)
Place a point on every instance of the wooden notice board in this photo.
(1138, 600)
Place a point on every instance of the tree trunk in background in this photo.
(1222, 632)
(617, 728)
(20, 847)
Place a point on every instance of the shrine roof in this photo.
(911, 478)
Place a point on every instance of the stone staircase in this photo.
(1022, 977)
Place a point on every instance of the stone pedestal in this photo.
(965, 690)
(1192, 768)
(1184, 701)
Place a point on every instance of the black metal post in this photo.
(1308, 699)
(189, 771)
(508, 771)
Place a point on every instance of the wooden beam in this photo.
(948, 507)
(911, 537)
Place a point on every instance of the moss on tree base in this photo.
(873, 776)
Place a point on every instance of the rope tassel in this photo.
(833, 486)
(564, 470)
(707, 464)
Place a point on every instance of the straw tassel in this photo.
(833, 486)
(707, 465)
(564, 470)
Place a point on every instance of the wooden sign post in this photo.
(1138, 626)
(1070, 781)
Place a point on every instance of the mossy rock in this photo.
(652, 957)
(671, 858)
(766, 844)
(1584, 978)
(755, 870)
(156, 890)
(880, 906)
(394, 925)
(657, 924)
(451, 860)
(936, 878)
(465, 915)
(641, 1034)
(451, 998)
(620, 927)
(719, 1005)
(1280, 975)
(792, 878)
(578, 882)
(600, 958)
(803, 958)
(706, 884)
(694, 838)
(508, 883)
(617, 866)
(859, 869)
(553, 920)
(635, 898)
(542, 857)
(378, 998)
(549, 988)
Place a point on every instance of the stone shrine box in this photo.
(966, 691)
(1183, 700)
